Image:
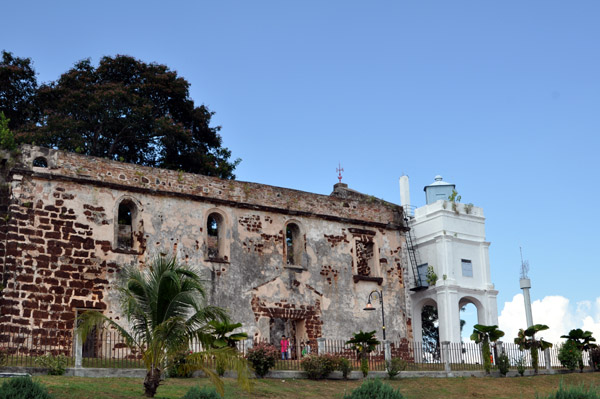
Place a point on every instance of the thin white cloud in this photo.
(555, 311)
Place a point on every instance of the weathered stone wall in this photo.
(59, 252)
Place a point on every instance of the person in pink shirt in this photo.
(284, 347)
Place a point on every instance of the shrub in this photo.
(177, 367)
(569, 355)
(503, 364)
(23, 388)
(204, 393)
(262, 357)
(318, 367)
(395, 366)
(374, 389)
(345, 367)
(520, 363)
(575, 392)
(595, 358)
(56, 365)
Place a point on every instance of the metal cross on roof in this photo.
(339, 169)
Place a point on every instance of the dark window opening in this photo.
(213, 229)
(40, 162)
(293, 244)
(125, 225)
(90, 348)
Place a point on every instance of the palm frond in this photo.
(231, 359)
(91, 319)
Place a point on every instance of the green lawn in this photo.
(411, 388)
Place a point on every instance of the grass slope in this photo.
(411, 388)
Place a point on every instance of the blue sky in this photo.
(500, 98)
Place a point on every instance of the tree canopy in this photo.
(18, 87)
(123, 109)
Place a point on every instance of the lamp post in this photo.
(377, 294)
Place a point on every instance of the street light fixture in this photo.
(377, 295)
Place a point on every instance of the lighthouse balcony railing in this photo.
(409, 211)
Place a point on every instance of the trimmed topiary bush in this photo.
(262, 357)
(23, 388)
(56, 365)
(520, 363)
(318, 367)
(374, 389)
(503, 364)
(345, 367)
(569, 355)
(395, 366)
(201, 393)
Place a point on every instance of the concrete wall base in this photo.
(281, 374)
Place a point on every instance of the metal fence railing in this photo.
(107, 349)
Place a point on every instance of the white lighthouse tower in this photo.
(449, 240)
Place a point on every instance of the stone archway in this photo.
(295, 312)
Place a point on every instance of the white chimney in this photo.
(404, 192)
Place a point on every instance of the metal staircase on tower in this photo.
(412, 252)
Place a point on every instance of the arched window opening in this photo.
(214, 227)
(292, 241)
(125, 224)
(468, 319)
(40, 162)
(293, 251)
(365, 258)
(430, 333)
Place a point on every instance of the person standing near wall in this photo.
(306, 349)
(284, 347)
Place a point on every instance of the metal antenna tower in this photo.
(525, 286)
(524, 266)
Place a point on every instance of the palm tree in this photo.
(363, 343)
(583, 340)
(526, 340)
(166, 310)
(221, 336)
(484, 335)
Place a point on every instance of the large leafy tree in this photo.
(164, 305)
(582, 340)
(125, 109)
(18, 87)
(526, 340)
(484, 335)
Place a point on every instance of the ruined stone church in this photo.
(281, 261)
